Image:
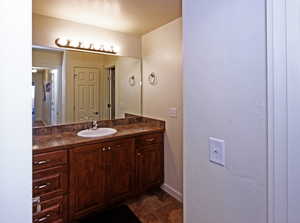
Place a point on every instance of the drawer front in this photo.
(50, 182)
(149, 139)
(117, 144)
(50, 211)
(52, 159)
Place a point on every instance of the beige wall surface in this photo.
(128, 97)
(225, 97)
(161, 50)
(46, 29)
(46, 58)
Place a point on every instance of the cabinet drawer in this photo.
(50, 182)
(46, 160)
(117, 144)
(51, 211)
(149, 139)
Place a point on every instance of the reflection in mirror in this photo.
(73, 86)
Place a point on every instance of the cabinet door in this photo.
(120, 169)
(150, 169)
(86, 180)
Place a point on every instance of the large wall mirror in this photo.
(73, 86)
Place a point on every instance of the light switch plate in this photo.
(172, 112)
(217, 151)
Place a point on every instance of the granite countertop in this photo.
(47, 143)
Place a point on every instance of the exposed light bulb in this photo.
(85, 45)
(74, 43)
(62, 41)
(101, 47)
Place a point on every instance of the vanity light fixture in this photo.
(77, 45)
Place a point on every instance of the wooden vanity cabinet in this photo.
(87, 180)
(75, 182)
(119, 158)
(149, 161)
(50, 187)
(100, 174)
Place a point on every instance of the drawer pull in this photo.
(44, 218)
(41, 162)
(42, 186)
(109, 148)
(103, 149)
(150, 140)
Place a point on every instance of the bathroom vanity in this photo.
(75, 176)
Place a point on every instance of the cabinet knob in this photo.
(109, 148)
(138, 154)
(103, 149)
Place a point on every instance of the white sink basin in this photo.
(91, 133)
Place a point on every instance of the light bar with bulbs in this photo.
(77, 45)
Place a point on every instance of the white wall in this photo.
(293, 84)
(161, 51)
(46, 29)
(15, 112)
(225, 97)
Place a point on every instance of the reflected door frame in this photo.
(96, 81)
(58, 93)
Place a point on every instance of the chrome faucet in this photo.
(94, 125)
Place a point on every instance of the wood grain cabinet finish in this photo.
(46, 160)
(75, 182)
(100, 174)
(50, 187)
(120, 169)
(150, 166)
(87, 180)
(52, 210)
(50, 182)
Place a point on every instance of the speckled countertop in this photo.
(65, 140)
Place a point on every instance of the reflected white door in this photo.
(86, 94)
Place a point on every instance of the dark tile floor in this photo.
(157, 207)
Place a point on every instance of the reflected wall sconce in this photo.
(153, 79)
(132, 80)
(77, 45)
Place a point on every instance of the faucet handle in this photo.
(94, 124)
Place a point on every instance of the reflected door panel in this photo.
(86, 94)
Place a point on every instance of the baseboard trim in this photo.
(171, 191)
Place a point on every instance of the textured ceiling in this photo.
(128, 16)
